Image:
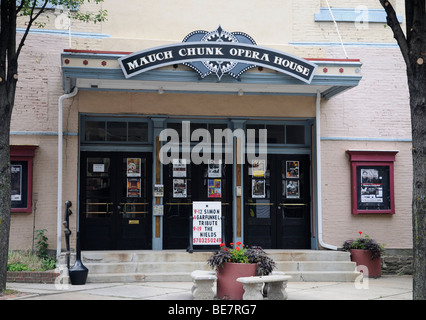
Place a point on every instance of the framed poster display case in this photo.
(372, 181)
(21, 161)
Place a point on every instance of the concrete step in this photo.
(177, 265)
(139, 277)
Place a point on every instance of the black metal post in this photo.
(67, 230)
(78, 273)
(191, 234)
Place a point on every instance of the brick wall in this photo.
(32, 276)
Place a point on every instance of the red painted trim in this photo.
(125, 53)
(333, 60)
(95, 51)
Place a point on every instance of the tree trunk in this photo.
(8, 80)
(416, 73)
(418, 123)
(5, 193)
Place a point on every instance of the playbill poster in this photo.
(292, 169)
(258, 168)
(258, 188)
(16, 182)
(291, 189)
(133, 187)
(214, 188)
(133, 167)
(215, 169)
(371, 186)
(179, 168)
(179, 188)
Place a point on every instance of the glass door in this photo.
(277, 202)
(115, 200)
(187, 182)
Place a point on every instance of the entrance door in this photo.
(115, 201)
(277, 203)
(185, 183)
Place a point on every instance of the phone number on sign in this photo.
(207, 240)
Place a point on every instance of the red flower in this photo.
(360, 232)
(226, 249)
(231, 243)
(238, 243)
(222, 245)
(237, 249)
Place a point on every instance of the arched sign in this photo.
(219, 52)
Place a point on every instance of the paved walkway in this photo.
(384, 288)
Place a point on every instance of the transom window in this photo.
(281, 133)
(99, 130)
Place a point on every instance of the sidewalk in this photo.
(384, 288)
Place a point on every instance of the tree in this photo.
(413, 49)
(9, 54)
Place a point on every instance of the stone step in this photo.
(307, 276)
(149, 267)
(180, 255)
(143, 256)
(139, 277)
(177, 265)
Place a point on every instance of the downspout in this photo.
(60, 144)
(318, 166)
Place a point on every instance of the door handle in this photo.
(293, 204)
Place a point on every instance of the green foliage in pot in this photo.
(242, 254)
(364, 243)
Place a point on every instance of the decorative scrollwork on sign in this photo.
(219, 67)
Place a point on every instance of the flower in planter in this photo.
(242, 254)
(364, 243)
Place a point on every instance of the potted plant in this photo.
(366, 252)
(241, 261)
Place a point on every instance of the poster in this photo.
(133, 167)
(258, 168)
(98, 167)
(214, 188)
(133, 187)
(292, 169)
(179, 168)
(207, 223)
(258, 188)
(158, 210)
(179, 188)
(371, 186)
(16, 182)
(292, 190)
(159, 190)
(214, 169)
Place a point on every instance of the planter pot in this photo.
(227, 285)
(369, 267)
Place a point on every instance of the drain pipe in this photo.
(318, 165)
(60, 144)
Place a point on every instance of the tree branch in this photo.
(398, 34)
(30, 23)
(20, 6)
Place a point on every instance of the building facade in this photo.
(144, 121)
